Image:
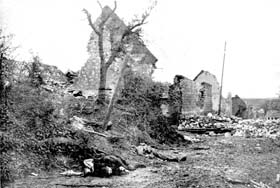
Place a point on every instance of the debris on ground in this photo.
(209, 121)
(82, 124)
(213, 124)
(192, 139)
(278, 178)
(34, 174)
(71, 173)
(150, 152)
(259, 185)
(258, 128)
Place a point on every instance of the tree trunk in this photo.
(2, 93)
(112, 101)
(102, 85)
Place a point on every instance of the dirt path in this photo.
(218, 162)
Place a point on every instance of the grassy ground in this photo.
(217, 162)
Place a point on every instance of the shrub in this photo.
(143, 97)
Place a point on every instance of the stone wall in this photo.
(206, 97)
(207, 77)
(189, 97)
(239, 107)
(190, 93)
(227, 105)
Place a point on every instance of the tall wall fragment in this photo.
(190, 91)
(207, 77)
(142, 60)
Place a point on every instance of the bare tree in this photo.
(118, 48)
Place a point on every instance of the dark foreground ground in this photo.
(226, 162)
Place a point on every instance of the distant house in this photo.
(142, 60)
(272, 115)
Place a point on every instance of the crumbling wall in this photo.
(239, 107)
(228, 105)
(207, 77)
(189, 97)
(175, 100)
(205, 97)
(190, 93)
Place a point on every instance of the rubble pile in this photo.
(257, 128)
(247, 128)
(52, 85)
(209, 121)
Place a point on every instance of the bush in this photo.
(143, 97)
(6, 146)
(44, 133)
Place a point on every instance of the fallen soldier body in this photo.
(104, 166)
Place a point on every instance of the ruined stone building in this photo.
(190, 97)
(198, 96)
(210, 79)
(141, 59)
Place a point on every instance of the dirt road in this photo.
(231, 162)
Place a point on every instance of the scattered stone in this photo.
(191, 139)
(245, 128)
(278, 178)
(77, 123)
(144, 149)
(151, 153)
(227, 135)
(154, 170)
(34, 174)
(71, 173)
(212, 133)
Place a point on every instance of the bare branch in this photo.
(140, 22)
(90, 21)
(94, 132)
(137, 23)
(100, 5)
(106, 19)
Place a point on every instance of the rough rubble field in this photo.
(216, 161)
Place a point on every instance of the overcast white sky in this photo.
(185, 35)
